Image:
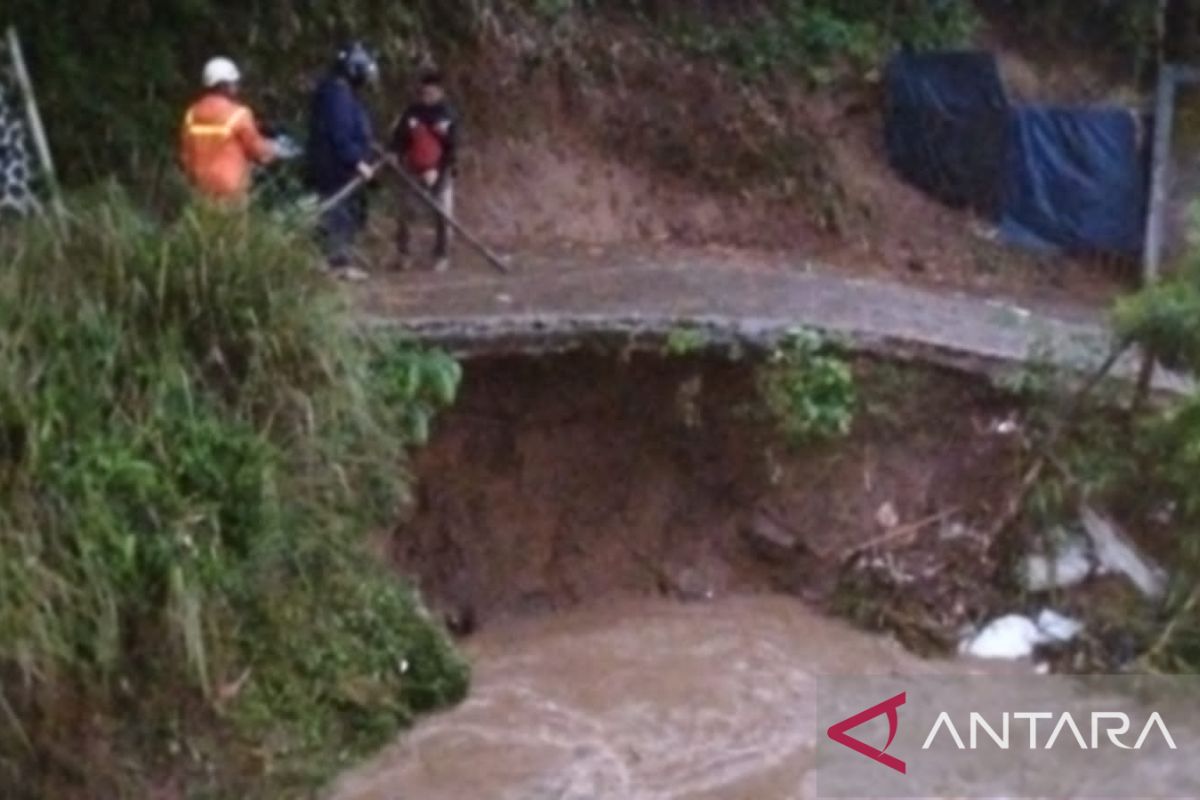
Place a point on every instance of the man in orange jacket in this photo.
(220, 141)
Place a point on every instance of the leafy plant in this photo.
(809, 392)
(685, 341)
(418, 383)
(1163, 319)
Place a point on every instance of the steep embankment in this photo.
(193, 449)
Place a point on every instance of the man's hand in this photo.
(430, 178)
(286, 148)
(366, 171)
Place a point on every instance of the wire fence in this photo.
(18, 170)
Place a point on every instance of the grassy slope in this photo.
(193, 447)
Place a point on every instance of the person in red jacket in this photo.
(425, 140)
(220, 141)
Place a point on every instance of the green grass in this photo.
(194, 444)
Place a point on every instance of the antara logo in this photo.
(1112, 726)
(837, 732)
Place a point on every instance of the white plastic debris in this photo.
(1058, 627)
(1117, 553)
(1011, 636)
(1014, 636)
(1069, 566)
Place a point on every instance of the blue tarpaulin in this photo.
(1069, 179)
(1075, 180)
(946, 126)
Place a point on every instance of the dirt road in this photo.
(552, 301)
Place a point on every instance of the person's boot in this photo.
(342, 267)
(441, 264)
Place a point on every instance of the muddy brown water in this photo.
(660, 700)
(635, 701)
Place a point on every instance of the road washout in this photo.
(649, 582)
(560, 481)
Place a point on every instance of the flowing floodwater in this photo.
(642, 700)
(556, 487)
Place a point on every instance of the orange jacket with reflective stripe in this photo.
(218, 144)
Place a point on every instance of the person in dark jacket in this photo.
(339, 151)
(425, 141)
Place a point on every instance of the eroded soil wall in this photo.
(580, 478)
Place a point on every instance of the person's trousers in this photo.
(339, 227)
(415, 208)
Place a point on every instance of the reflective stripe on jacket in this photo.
(218, 144)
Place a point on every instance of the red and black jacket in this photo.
(426, 138)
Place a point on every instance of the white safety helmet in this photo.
(220, 70)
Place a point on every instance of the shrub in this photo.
(1146, 467)
(810, 393)
(685, 341)
(193, 443)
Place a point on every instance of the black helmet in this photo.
(356, 64)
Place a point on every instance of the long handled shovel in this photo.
(338, 197)
(428, 200)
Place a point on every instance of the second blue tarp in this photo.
(1075, 180)
(1054, 179)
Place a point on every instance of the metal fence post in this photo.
(1164, 112)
